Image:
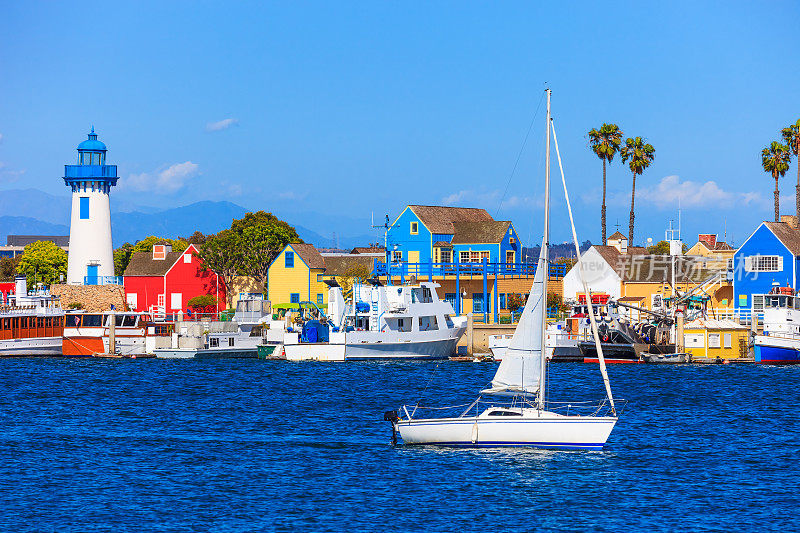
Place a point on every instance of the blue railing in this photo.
(102, 280)
(404, 269)
(90, 171)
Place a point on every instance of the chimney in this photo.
(709, 239)
(791, 220)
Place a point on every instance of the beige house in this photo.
(718, 253)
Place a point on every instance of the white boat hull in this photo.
(43, 346)
(328, 351)
(549, 430)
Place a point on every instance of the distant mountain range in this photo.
(34, 212)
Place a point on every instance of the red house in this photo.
(164, 281)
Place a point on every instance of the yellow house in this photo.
(296, 275)
(717, 252)
(724, 339)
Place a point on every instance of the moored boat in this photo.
(31, 323)
(779, 344)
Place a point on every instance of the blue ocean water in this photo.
(246, 445)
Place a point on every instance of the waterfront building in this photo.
(15, 244)
(91, 257)
(162, 281)
(717, 253)
(715, 338)
(298, 273)
(770, 256)
(424, 234)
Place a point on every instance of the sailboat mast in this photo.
(544, 260)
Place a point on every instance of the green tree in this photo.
(639, 155)
(8, 268)
(605, 144)
(775, 160)
(122, 256)
(222, 254)
(660, 248)
(146, 244)
(355, 271)
(42, 261)
(791, 136)
(261, 237)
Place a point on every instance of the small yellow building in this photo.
(296, 275)
(710, 338)
(716, 252)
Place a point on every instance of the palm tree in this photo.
(775, 160)
(641, 155)
(791, 135)
(605, 144)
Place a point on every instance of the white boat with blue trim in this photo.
(513, 410)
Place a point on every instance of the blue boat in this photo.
(780, 342)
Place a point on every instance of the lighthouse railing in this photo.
(102, 280)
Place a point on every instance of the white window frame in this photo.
(714, 340)
(727, 340)
(187, 258)
(173, 297)
(397, 256)
(763, 263)
(132, 299)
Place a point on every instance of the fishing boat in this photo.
(779, 344)
(31, 323)
(513, 410)
(380, 322)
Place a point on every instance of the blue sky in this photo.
(303, 108)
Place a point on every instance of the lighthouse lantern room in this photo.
(91, 257)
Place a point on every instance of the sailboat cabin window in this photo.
(449, 321)
(504, 413)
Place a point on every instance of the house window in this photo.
(132, 299)
(294, 298)
(288, 259)
(187, 258)
(176, 300)
(502, 301)
(484, 255)
(319, 277)
(742, 300)
(414, 228)
(727, 338)
(397, 256)
(463, 257)
(510, 257)
(319, 298)
(763, 263)
(450, 297)
(475, 257)
(445, 256)
(713, 340)
(84, 200)
(477, 303)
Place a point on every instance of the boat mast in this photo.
(544, 260)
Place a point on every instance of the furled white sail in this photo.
(520, 368)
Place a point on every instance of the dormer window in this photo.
(159, 252)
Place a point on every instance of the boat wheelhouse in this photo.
(779, 344)
(111, 332)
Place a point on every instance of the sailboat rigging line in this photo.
(519, 155)
(424, 390)
(589, 306)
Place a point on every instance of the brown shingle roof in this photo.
(143, 264)
(338, 265)
(310, 255)
(487, 231)
(439, 219)
(367, 250)
(789, 236)
(617, 236)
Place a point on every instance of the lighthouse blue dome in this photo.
(92, 144)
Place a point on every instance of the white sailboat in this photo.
(513, 410)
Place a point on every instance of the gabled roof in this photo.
(143, 264)
(338, 265)
(789, 236)
(310, 255)
(617, 236)
(440, 219)
(719, 246)
(487, 231)
(368, 250)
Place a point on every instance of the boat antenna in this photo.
(589, 305)
(544, 259)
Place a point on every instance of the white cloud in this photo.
(292, 195)
(670, 190)
(222, 124)
(1, 138)
(168, 180)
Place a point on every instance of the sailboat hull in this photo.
(546, 431)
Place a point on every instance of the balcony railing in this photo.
(90, 171)
(102, 280)
(403, 269)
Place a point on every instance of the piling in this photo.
(470, 329)
(112, 332)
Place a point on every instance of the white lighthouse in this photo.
(91, 256)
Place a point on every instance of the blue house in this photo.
(770, 256)
(425, 234)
